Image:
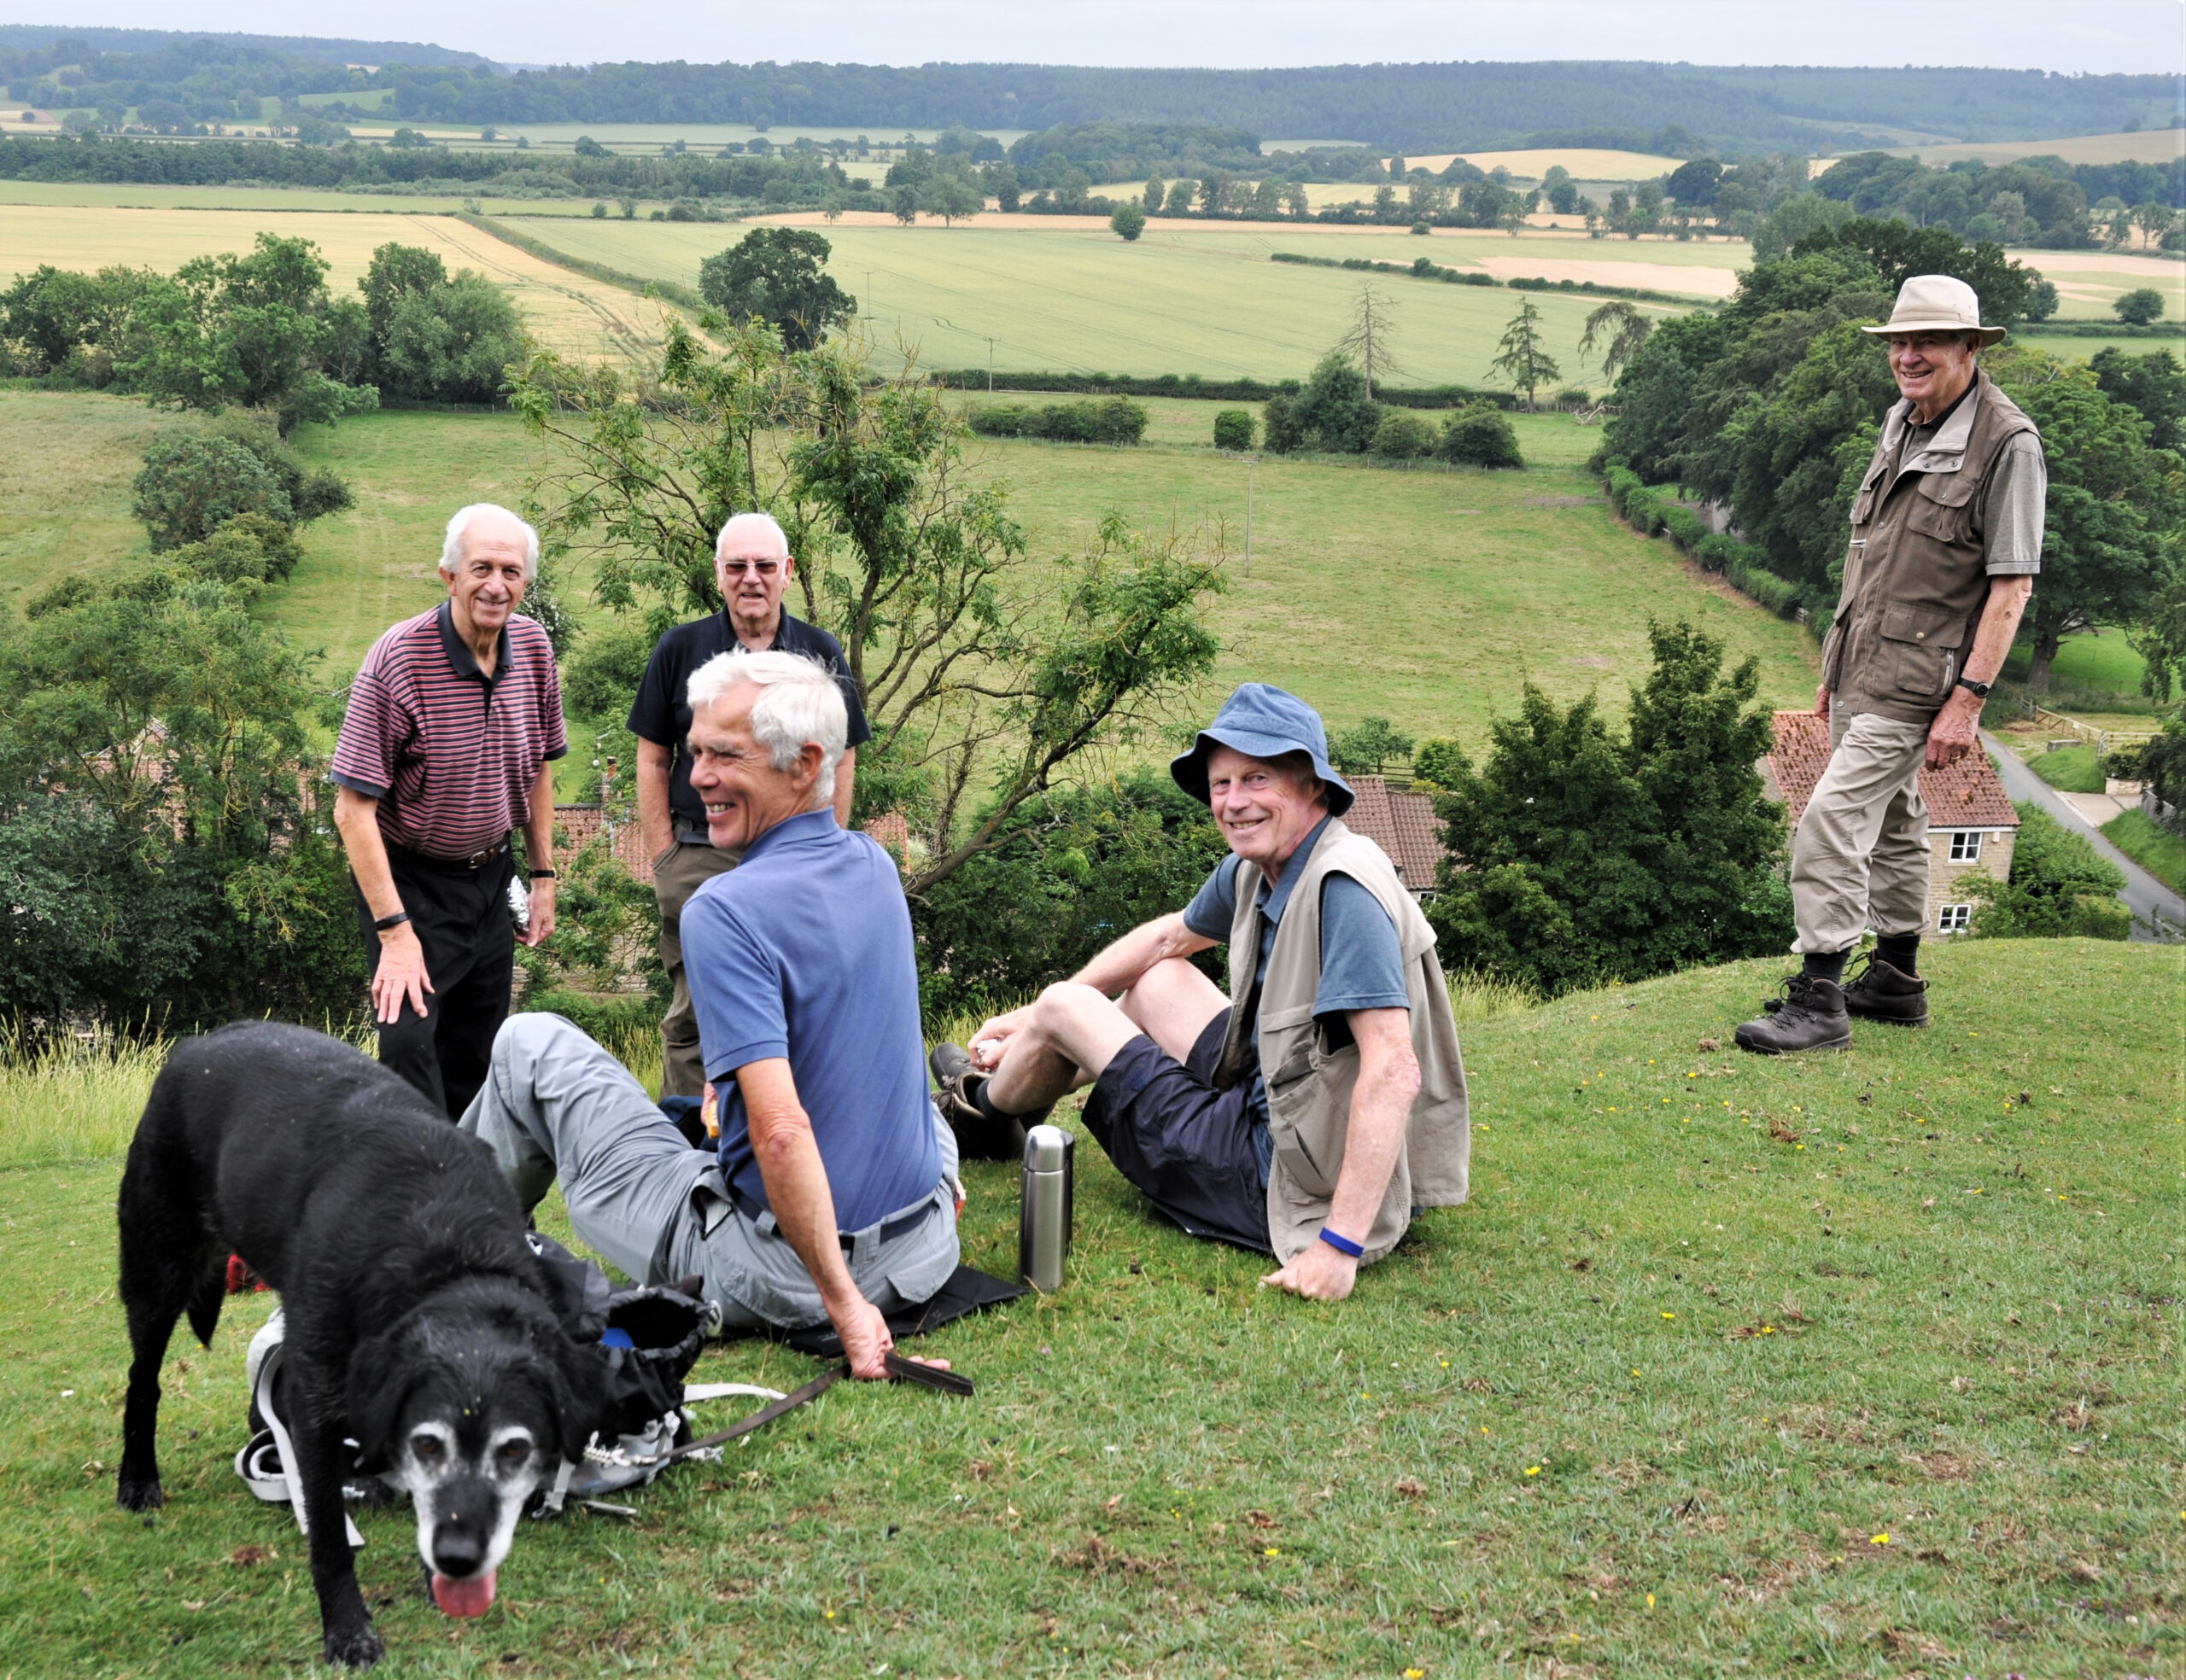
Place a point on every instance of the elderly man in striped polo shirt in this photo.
(453, 720)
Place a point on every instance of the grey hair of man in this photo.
(742, 524)
(461, 522)
(799, 704)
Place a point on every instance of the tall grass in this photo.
(72, 1100)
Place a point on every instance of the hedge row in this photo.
(1191, 385)
(1425, 268)
(673, 291)
(1744, 565)
(1117, 420)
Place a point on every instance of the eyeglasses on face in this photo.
(764, 568)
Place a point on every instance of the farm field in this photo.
(99, 194)
(2158, 145)
(578, 316)
(1495, 578)
(1081, 300)
(1864, 1364)
(2087, 282)
(1584, 163)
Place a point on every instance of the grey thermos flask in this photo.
(1044, 1225)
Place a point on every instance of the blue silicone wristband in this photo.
(1341, 1245)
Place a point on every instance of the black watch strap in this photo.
(395, 921)
(1980, 690)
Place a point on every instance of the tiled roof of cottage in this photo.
(1402, 822)
(1968, 794)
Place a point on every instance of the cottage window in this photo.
(1954, 919)
(1966, 845)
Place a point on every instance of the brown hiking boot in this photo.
(984, 1133)
(1882, 992)
(1810, 1016)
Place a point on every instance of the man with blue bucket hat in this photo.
(1310, 1112)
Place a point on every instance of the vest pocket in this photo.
(1309, 1111)
(1919, 650)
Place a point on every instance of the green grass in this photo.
(2151, 845)
(2069, 769)
(1964, 1337)
(1427, 594)
(2088, 665)
(1077, 299)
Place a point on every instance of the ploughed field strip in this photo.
(1859, 1364)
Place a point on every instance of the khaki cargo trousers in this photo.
(677, 873)
(1860, 858)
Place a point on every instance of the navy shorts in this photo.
(1185, 1146)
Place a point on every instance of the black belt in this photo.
(476, 860)
(902, 1225)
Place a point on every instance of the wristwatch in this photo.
(1980, 690)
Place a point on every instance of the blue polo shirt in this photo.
(804, 952)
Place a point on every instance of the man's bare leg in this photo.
(1071, 1033)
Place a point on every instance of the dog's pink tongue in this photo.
(466, 1597)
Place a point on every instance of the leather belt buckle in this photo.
(479, 860)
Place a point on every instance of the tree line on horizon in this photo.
(1414, 106)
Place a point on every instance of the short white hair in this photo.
(452, 544)
(741, 522)
(799, 703)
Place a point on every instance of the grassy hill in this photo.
(1427, 595)
(1864, 1364)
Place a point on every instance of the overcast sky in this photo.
(2065, 35)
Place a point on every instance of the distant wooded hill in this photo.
(1680, 108)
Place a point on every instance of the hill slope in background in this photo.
(39, 37)
(1676, 109)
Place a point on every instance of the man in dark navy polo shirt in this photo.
(752, 566)
(445, 748)
(833, 1197)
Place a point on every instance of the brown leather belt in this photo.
(476, 860)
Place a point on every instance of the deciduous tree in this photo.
(986, 679)
(778, 275)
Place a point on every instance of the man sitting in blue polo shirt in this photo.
(834, 1194)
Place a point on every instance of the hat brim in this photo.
(1988, 335)
(1189, 770)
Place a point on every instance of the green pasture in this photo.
(1081, 300)
(1860, 1365)
(1428, 594)
(2102, 662)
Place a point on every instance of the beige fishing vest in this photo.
(1309, 1086)
(1915, 578)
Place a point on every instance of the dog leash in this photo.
(899, 1369)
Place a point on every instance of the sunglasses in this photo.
(764, 568)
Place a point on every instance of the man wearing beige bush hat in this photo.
(1946, 542)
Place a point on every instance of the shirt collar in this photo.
(802, 828)
(781, 624)
(1274, 899)
(1949, 433)
(460, 659)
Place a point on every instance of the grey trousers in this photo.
(1861, 856)
(555, 1104)
(677, 873)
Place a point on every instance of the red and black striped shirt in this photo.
(449, 753)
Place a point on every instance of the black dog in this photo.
(417, 1320)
